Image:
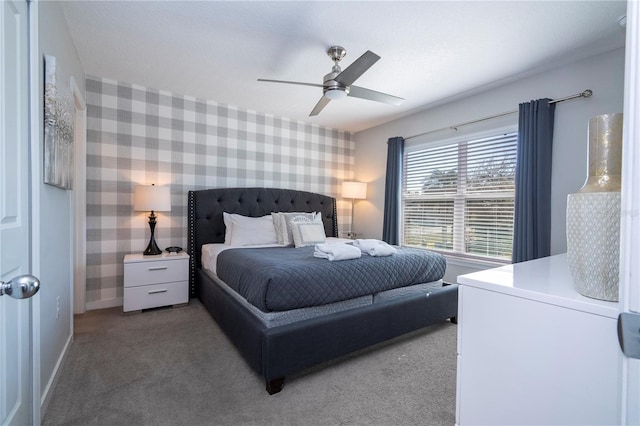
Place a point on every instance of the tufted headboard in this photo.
(206, 206)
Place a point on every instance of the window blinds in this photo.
(459, 197)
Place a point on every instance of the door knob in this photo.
(21, 287)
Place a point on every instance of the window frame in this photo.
(461, 196)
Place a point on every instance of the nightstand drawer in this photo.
(150, 296)
(160, 271)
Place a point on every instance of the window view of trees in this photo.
(489, 227)
(429, 224)
(460, 197)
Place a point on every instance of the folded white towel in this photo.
(375, 247)
(336, 251)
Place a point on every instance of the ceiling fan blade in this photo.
(290, 82)
(372, 95)
(357, 68)
(321, 104)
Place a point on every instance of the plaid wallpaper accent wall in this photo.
(137, 135)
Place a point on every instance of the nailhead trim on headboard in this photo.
(206, 207)
(191, 243)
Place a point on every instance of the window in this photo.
(458, 197)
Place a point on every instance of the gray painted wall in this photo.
(55, 213)
(604, 74)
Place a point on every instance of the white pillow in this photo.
(282, 223)
(227, 225)
(307, 233)
(278, 224)
(246, 230)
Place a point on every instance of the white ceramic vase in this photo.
(593, 214)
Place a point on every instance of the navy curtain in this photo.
(532, 221)
(392, 189)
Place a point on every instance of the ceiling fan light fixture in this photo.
(338, 84)
(336, 94)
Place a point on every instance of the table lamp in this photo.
(154, 199)
(355, 191)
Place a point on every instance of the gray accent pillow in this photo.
(307, 233)
(282, 224)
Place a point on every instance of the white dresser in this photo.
(152, 281)
(532, 351)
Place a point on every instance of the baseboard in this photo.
(104, 303)
(45, 398)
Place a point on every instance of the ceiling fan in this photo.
(338, 84)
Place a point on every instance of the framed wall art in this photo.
(58, 130)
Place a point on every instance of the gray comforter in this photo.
(279, 279)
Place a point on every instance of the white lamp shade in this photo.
(354, 190)
(152, 198)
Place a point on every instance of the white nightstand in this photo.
(152, 281)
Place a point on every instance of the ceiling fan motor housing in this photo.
(332, 88)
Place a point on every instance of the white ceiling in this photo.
(430, 50)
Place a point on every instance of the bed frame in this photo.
(283, 350)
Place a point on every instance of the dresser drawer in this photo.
(160, 271)
(151, 296)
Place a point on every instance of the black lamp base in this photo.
(152, 249)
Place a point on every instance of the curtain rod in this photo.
(584, 94)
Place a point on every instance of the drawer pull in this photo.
(157, 291)
(157, 268)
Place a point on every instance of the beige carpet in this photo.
(176, 367)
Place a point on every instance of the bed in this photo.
(280, 342)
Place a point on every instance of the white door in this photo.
(630, 219)
(16, 387)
